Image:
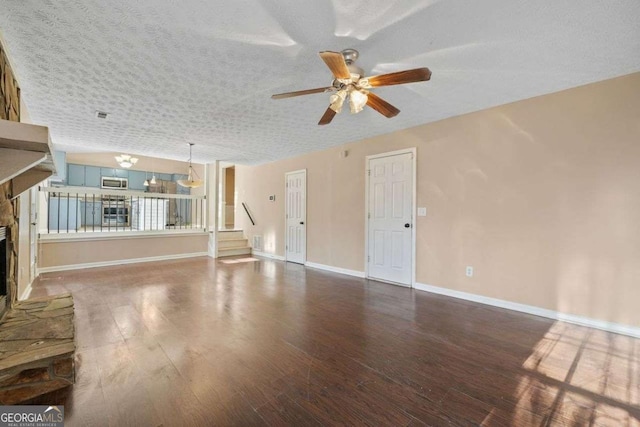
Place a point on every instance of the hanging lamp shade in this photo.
(190, 182)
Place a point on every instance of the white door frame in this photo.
(413, 152)
(33, 234)
(286, 237)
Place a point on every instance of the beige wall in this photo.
(539, 196)
(69, 253)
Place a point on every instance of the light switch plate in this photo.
(422, 211)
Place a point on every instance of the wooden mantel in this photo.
(25, 155)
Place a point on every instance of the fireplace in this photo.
(4, 276)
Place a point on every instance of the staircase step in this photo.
(230, 235)
(234, 251)
(232, 243)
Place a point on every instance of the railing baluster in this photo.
(67, 212)
(48, 199)
(85, 213)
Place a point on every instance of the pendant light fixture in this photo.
(146, 179)
(190, 182)
(153, 173)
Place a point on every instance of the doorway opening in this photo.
(227, 198)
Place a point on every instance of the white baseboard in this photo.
(346, 271)
(314, 265)
(119, 262)
(536, 311)
(267, 255)
(26, 292)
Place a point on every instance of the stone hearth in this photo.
(37, 352)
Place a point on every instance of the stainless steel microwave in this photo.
(114, 183)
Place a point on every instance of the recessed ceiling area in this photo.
(170, 73)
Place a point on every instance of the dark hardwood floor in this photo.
(259, 342)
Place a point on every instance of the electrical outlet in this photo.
(469, 271)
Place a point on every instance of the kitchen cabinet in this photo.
(91, 212)
(136, 180)
(113, 172)
(164, 176)
(60, 162)
(64, 214)
(122, 173)
(75, 175)
(92, 176)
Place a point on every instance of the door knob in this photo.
(407, 225)
(301, 222)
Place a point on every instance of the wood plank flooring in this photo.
(246, 342)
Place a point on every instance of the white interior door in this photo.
(296, 216)
(390, 218)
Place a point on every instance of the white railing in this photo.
(91, 210)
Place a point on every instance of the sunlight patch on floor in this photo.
(239, 260)
(579, 387)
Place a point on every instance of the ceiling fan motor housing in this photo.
(350, 57)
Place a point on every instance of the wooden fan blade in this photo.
(327, 117)
(335, 62)
(301, 92)
(400, 77)
(381, 106)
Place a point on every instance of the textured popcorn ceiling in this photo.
(171, 72)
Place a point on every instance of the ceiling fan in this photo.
(349, 82)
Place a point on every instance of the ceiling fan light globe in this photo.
(357, 101)
(364, 83)
(126, 161)
(337, 106)
(337, 99)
